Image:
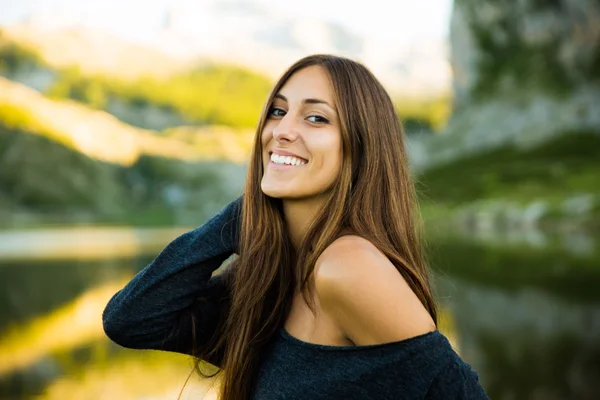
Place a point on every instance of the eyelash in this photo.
(323, 120)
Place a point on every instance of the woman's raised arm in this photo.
(153, 310)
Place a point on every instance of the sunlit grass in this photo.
(216, 142)
(102, 137)
(16, 117)
(433, 112)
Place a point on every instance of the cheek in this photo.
(267, 132)
(265, 137)
(334, 146)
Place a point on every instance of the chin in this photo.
(271, 192)
(278, 194)
(275, 194)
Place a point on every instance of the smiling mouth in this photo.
(302, 160)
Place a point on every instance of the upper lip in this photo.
(280, 152)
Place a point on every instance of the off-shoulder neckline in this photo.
(405, 342)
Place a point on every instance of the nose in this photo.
(285, 130)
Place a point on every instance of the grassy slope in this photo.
(552, 173)
(567, 164)
(99, 135)
(63, 161)
(209, 94)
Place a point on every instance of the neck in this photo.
(298, 215)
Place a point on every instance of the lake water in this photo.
(525, 315)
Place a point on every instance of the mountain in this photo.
(240, 32)
(63, 162)
(92, 51)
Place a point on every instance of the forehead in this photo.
(308, 83)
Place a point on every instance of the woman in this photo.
(330, 296)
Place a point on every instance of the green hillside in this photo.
(61, 161)
(210, 95)
(207, 94)
(556, 181)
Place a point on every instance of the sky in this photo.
(400, 20)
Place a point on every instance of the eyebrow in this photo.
(306, 101)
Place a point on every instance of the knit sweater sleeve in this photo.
(456, 381)
(158, 309)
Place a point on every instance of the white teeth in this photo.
(286, 160)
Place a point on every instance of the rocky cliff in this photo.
(522, 146)
(524, 72)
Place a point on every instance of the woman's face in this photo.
(301, 140)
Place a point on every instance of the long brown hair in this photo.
(373, 197)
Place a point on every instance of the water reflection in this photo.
(30, 289)
(66, 328)
(527, 319)
(129, 374)
(527, 344)
(82, 243)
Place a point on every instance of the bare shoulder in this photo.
(363, 292)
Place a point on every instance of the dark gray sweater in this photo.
(152, 312)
